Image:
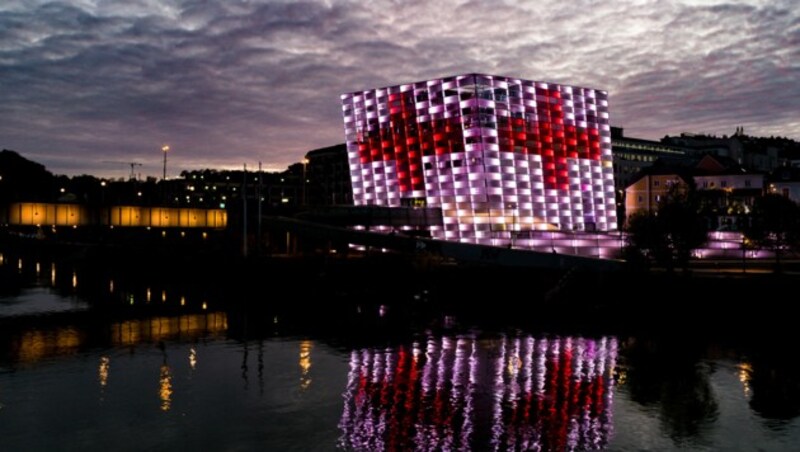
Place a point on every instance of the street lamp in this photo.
(165, 149)
(745, 244)
(305, 165)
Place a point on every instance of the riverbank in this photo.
(710, 298)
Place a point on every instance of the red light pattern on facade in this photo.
(406, 138)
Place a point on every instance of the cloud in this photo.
(226, 82)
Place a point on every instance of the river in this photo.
(103, 359)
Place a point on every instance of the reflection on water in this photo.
(554, 394)
(102, 371)
(305, 364)
(775, 386)
(130, 368)
(35, 344)
(38, 300)
(745, 375)
(157, 329)
(549, 394)
(165, 387)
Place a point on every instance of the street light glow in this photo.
(165, 148)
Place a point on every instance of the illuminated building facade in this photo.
(37, 214)
(496, 154)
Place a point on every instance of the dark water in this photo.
(104, 360)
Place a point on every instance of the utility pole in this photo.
(165, 149)
(244, 211)
(133, 170)
(258, 201)
(305, 166)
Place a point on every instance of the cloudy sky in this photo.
(85, 83)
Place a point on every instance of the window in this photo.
(656, 183)
(747, 182)
(658, 198)
(641, 200)
(723, 184)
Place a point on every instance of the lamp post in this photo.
(305, 165)
(165, 149)
(744, 253)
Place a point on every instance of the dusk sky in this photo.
(87, 83)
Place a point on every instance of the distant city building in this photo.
(650, 187)
(496, 154)
(728, 191)
(328, 176)
(631, 155)
(752, 153)
(785, 181)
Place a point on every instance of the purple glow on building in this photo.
(500, 156)
(545, 394)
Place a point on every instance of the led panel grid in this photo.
(496, 154)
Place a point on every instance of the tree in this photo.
(775, 225)
(672, 232)
(645, 239)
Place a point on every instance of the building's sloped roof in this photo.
(688, 168)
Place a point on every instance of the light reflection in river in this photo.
(193, 358)
(478, 391)
(546, 394)
(165, 387)
(305, 364)
(102, 371)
